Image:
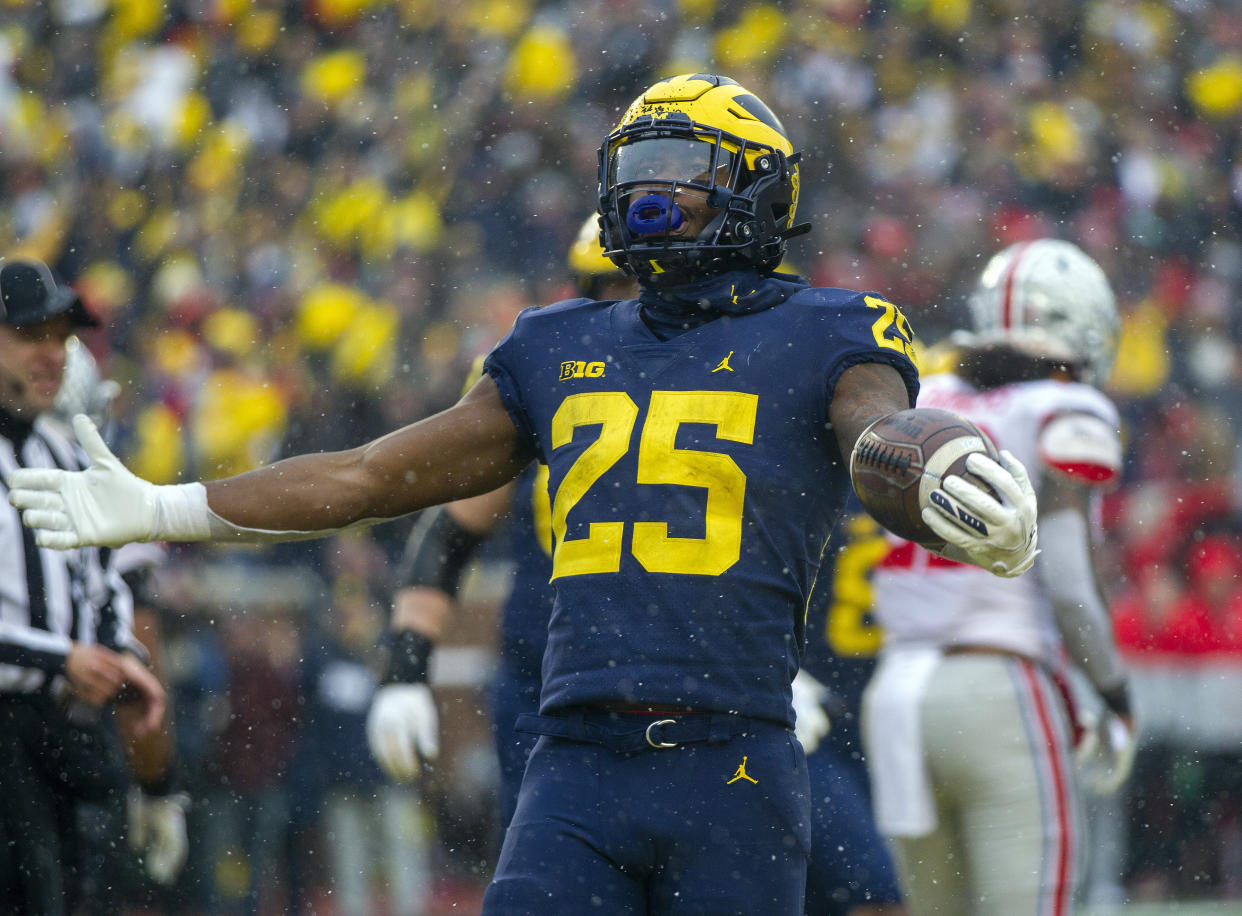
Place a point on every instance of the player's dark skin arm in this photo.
(470, 448)
(864, 393)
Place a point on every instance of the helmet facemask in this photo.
(682, 200)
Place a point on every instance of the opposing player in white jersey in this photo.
(968, 725)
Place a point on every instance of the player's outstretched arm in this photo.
(1006, 544)
(471, 448)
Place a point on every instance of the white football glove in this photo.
(105, 504)
(1105, 754)
(811, 724)
(403, 729)
(157, 833)
(1001, 537)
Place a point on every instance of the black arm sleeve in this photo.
(409, 655)
(436, 553)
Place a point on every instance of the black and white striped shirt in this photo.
(49, 598)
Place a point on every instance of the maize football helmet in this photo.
(705, 145)
(586, 254)
(595, 275)
(1049, 299)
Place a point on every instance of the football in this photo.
(904, 456)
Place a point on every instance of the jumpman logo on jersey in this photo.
(733, 293)
(724, 363)
(741, 774)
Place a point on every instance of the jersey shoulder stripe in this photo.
(1081, 446)
(1079, 432)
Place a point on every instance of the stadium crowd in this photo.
(299, 223)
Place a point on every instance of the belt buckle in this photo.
(660, 744)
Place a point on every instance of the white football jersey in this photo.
(1051, 427)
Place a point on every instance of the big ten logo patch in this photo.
(580, 369)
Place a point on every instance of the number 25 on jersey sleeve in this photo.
(891, 330)
(733, 415)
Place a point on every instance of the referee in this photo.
(67, 650)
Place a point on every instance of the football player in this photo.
(697, 442)
(967, 721)
(850, 872)
(402, 726)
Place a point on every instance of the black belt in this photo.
(620, 732)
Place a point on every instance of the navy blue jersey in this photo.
(842, 636)
(694, 483)
(524, 621)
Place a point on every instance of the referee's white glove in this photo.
(811, 723)
(403, 729)
(105, 504)
(157, 832)
(1006, 537)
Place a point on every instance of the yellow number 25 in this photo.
(659, 462)
(891, 330)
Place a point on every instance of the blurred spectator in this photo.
(249, 765)
(375, 833)
(1141, 614)
(198, 683)
(1204, 619)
